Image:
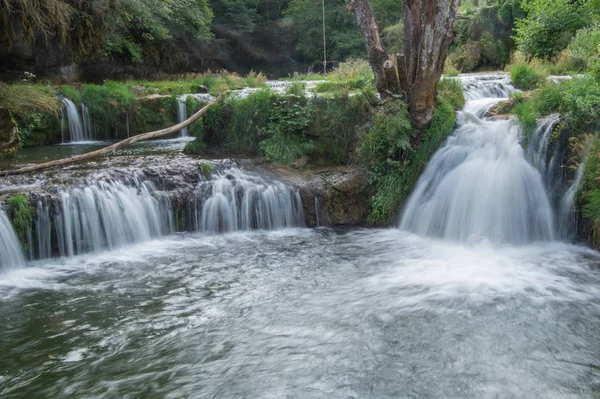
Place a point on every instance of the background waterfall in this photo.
(109, 213)
(11, 253)
(182, 109)
(479, 185)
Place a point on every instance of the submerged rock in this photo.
(9, 134)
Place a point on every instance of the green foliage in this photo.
(21, 215)
(36, 111)
(547, 99)
(549, 26)
(581, 102)
(583, 49)
(526, 114)
(248, 121)
(393, 37)
(108, 105)
(149, 24)
(195, 147)
(525, 76)
(392, 162)
(71, 93)
(450, 91)
(589, 193)
(205, 169)
(343, 38)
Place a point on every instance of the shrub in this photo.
(526, 77)
(548, 99)
(393, 165)
(248, 120)
(581, 102)
(450, 69)
(108, 106)
(584, 46)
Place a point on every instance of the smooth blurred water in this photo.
(304, 313)
(479, 184)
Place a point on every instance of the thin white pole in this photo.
(324, 43)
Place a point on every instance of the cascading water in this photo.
(234, 200)
(110, 213)
(76, 130)
(105, 214)
(479, 185)
(182, 110)
(11, 253)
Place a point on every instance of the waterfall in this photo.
(479, 184)
(182, 110)
(566, 218)
(106, 214)
(234, 200)
(182, 115)
(76, 131)
(11, 253)
(87, 123)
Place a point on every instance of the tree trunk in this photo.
(427, 35)
(377, 53)
(113, 148)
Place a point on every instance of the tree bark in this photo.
(427, 36)
(113, 148)
(375, 50)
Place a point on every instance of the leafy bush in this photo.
(588, 198)
(248, 120)
(548, 99)
(393, 164)
(549, 26)
(581, 102)
(584, 46)
(526, 77)
(108, 106)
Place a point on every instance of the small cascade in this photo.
(567, 219)
(11, 253)
(234, 200)
(76, 130)
(545, 152)
(182, 109)
(479, 185)
(105, 214)
(87, 123)
(317, 211)
(109, 213)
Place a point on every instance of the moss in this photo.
(394, 165)
(21, 215)
(194, 147)
(205, 169)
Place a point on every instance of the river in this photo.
(480, 301)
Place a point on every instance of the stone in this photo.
(300, 163)
(202, 89)
(9, 134)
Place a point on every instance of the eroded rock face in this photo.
(9, 134)
(332, 196)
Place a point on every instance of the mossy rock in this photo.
(9, 134)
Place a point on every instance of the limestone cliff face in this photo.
(9, 134)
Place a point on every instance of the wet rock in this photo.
(202, 89)
(9, 134)
(300, 163)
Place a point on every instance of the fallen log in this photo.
(114, 147)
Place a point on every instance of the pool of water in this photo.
(53, 152)
(304, 313)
